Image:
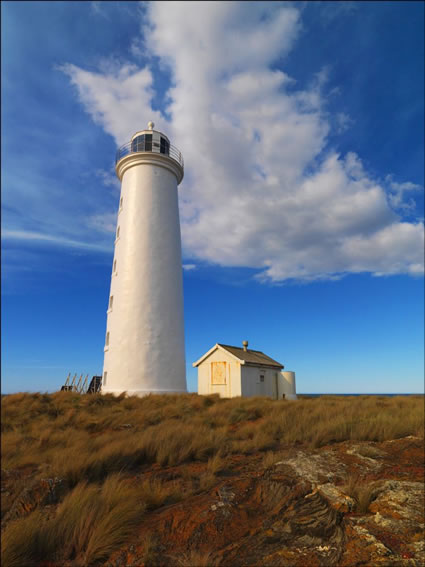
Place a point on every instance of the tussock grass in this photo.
(90, 524)
(88, 437)
(271, 458)
(152, 551)
(207, 481)
(362, 492)
(94, 442)
(155, 493)
(21, 542)
(197, 558)
(216, 464)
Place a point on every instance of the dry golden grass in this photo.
(206, 481)
(89, 525)
(196, 558)
(363, 493)
(21, 543)
(156, 493)
(216, 464)
(87, 440)
(152, 551)
(88, 437)
(271, 458)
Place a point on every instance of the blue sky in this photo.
(301, 125)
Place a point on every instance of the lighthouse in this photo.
(144, 344)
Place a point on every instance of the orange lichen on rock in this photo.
(281, 516)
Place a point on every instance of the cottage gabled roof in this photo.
(249, 357)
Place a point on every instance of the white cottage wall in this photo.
(232, 387)
(252, 385)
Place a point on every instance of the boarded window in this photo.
(218, 373)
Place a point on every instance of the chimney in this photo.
(245, 345)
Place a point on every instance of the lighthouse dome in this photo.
(143, 144)
(150, 140)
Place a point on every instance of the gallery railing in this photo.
(137, 147)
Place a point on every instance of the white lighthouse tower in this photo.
(144, 346)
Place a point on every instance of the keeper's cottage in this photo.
(233, 371)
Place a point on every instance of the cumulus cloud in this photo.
(398, 193)
(262, 188)
(116, 97)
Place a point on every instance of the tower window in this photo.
(142, 143)
(121, 202)
(165, 146)
(105, 375)
(148, 142)
(107, 339)
(115, 266)
(118, 232)
(138, 144)
(111, 300)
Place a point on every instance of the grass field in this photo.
(99, 447)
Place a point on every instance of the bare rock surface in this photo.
(298, 512)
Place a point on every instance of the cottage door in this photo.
(261, 384)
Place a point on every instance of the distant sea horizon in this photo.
(364, 394)
(298, 394)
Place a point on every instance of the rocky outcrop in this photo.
(346, 504)
(299, 512)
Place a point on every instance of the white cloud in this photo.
(398, 193)
(106, 222)
(52, 239)
(97, 7)
(343, 122)
(116, 98)
(109, 178)
(189, 267)
(261, 187)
